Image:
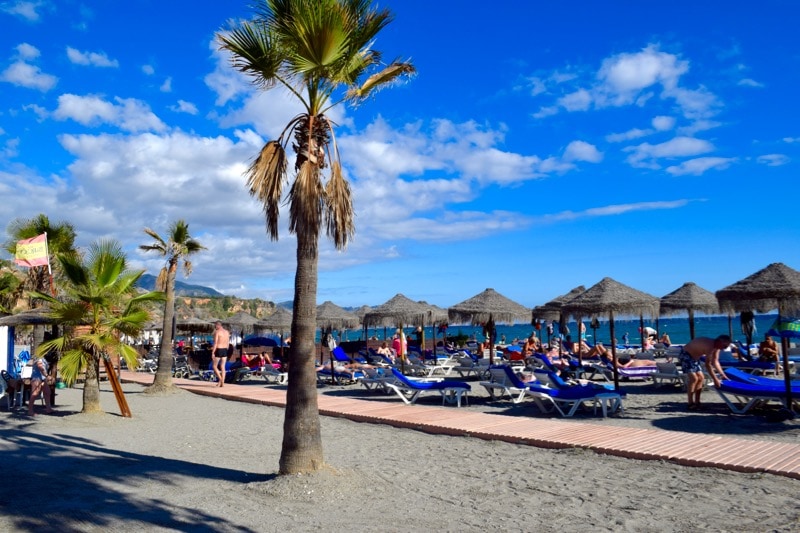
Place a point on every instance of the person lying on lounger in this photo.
(595, 351)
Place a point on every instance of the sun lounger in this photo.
(567, 398)
(746, 396)
(409, 389)
(668, 373)
(736, 374)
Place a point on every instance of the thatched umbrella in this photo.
(436, 315)
(360, 312)
(329, 317)
(488, 308)
(612, 297)
(689, 297)
(552, 309)
(33, 317)
(244, 321)
(280, 321)
(399, 311)
(775, 287)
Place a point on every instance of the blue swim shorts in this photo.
(688, 363)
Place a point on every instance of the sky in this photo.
(540, 145)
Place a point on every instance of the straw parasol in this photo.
(487, 309)
(329, 317)
(776, 286)
(612, 297)
(32, 317)
(552, 309)
(689, 297)
(280, 321)
(398, 311)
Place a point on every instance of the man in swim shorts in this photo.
(219, 352)
(691, 365)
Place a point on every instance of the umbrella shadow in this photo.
(74, 481)
(718, 420)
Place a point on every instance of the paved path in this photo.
(690, 449)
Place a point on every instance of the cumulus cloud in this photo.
(94, 59)
(633, 78)
(582, 151)
(27, 10)
(148, 69)
(126, 113)
(24, 74)
(663, 123)
(700, 165)
(185, 107)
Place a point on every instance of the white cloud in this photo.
(93, 59)
(613, 210)
(634, 133)
(790, 140)
(24, 74)
(700, 165)
(148, 70)
(633, 79)
(663, 123)
(126, 113)
(773, 160)
(185, 107)
(26, 10)
(748, 82)
(582, 151)
(166, 87)
(646, 154)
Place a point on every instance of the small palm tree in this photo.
(60, 240)
(179, 246)
(99, 305)
(320, 51)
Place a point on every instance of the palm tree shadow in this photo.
(71, 484)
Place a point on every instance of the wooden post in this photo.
(117, 388)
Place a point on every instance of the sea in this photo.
(676, 327)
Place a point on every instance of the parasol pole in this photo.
(691, 324)
(613, 350)
(787, 378)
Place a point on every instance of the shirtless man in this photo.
(768, 351)
(690, 363)
(219, 353)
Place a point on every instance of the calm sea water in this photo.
(676, 328)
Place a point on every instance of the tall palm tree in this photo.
(11, 287)
(60, 240)
(321, 52)
(100, 304)
(179, 246)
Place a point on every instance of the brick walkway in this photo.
(689, 449)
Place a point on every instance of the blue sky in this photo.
(541, 146)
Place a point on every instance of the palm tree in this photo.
(100, 304)
(179, 247)
(321, 52)
(60, 240)
(11, 287)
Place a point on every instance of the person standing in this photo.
(219, 352)
(690, 356)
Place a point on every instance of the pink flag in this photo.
(32, 252)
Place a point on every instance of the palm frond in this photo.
(339, 208)
(161, 280)
(253, 52)
(386, 77)
(306, 200)
(265, 179)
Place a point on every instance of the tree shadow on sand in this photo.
(67, 483)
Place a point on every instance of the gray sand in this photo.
(188, 462)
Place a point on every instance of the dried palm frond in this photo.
(339, 213)
(161, 280)
(306, 199)
(266, 177)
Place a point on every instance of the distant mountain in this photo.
(148, 283)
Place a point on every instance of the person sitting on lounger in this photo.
(385, 351)
(768, 350)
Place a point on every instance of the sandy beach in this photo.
(189, 462)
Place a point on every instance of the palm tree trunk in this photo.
(163, 379)
(91, 386)
(302, 440)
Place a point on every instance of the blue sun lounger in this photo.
(570, 397)
(746, 395)
(741, 376)
(409, 389)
